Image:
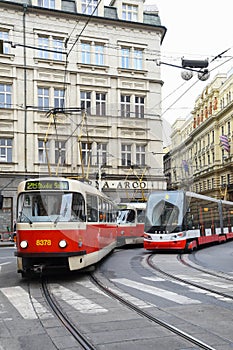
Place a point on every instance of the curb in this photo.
(7, 244)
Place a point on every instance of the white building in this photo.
(82, 79)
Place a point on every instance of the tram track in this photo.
(67, 323)
(70, 319)
(222, 275)
(84, 343)
(186, 280)
(149, 316)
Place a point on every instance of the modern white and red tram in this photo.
(179, 220)
(62, 223)
(130, 220)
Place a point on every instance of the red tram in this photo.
(130, 220)
(62, 223)
(179, 220)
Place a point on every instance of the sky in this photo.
(200, 30)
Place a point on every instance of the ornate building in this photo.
(80, 96)
(202, 148)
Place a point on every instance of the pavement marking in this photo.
(1, 265)
(154, 279)
(19, 298)
(212, 282)
(162, 293)
(141, 304)
(76, 300)
(88, 284)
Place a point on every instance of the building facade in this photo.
(202, 145)
(80, 96)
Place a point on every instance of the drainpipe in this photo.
(25, 88)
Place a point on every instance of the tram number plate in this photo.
(42, 242)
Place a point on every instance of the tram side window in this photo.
(108, 216)
(210, 215)
(92, 208)
(141, 215)
(192, 216)
(227, 217)
(102, 210)
(78, 207)
(205, 214)
(131, 216)
(112, 213)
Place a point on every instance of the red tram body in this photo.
(62, 223)
(130, 220)
(184, 221)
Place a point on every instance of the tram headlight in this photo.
(181, 234)
(23, 244)
(147, 236)
(62, 243)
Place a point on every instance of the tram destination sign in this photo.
(53, 185)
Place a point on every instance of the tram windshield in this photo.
(126, 216)
(164, 212)
(54, 207)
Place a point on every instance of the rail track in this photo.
(112, 295)
(150, 317)
(71, 324)
(187, 280)
(66, 321)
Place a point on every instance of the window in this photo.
(60, 152)
(212, 136)
(100, 104)
(50, 4)
(59, 101)
(139, 107)
(137, 59)
(222, 180)
(125, 52)
(43, 98)
(86, 153)
(43, 44)
(101, 153)
(5, 96)
(125, 155)
(125, 106)
(90, 7)
(4, 35)
(86, 53)
(129, 12)
(57, 46)
(6, 150)
(99, 55)
(223, 155)
(42, 157)
(86, 101)
(50, 47)
(213, 157)
(140, 155)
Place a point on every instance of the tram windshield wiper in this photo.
(26, 217)
(56, 220)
